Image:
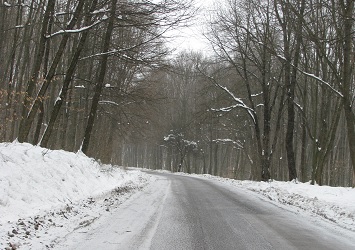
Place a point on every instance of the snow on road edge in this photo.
(335, 204)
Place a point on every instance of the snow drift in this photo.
(38, 185)
(34, 179)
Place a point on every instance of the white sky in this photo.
(191, 38)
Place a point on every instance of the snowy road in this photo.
(180, 212)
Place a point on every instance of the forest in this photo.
(271, 99)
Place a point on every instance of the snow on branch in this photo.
(109, 102)
(111, 52)
(240, 103)
(237, 143)
(60, 32)
(312, 76)
(227, 109)
(305, 73)
(100, 11)
(298, 105)
(255, 95)
(121, 104)
(322, 81)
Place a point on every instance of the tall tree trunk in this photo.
(68, 77)
(348, 9)
(23, 129)
(100, 80)
(39, 124)
(291, 74)
(3, 35)
(28, 120)
(10, 87)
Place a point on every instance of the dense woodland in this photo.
(271, 99)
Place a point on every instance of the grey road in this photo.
(180, 212)
(202, 215)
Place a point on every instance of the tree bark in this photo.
(23, 129)
(10, 83)
(291, 75)
(100, 80)
(28, 120)
(68, 77)
(348, 9)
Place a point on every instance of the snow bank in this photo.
(35, 179)
(336, 204)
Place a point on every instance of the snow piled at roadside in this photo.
(47, 194)
(335, 204)
(43, 189)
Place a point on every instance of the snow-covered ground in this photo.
(45, 195)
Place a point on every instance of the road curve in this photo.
(186, 213)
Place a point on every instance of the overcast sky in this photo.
(191, 38)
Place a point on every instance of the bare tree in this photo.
(100, 78)
(25, 123)
(68, 76)
(291, 25)
(248, 53)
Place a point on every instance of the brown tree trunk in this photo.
(68, 76)
(28, 120)
(23, 129)
(348, 9)
(100, 80)
(39, 124)
(291, 75)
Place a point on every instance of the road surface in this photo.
(181, 212)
